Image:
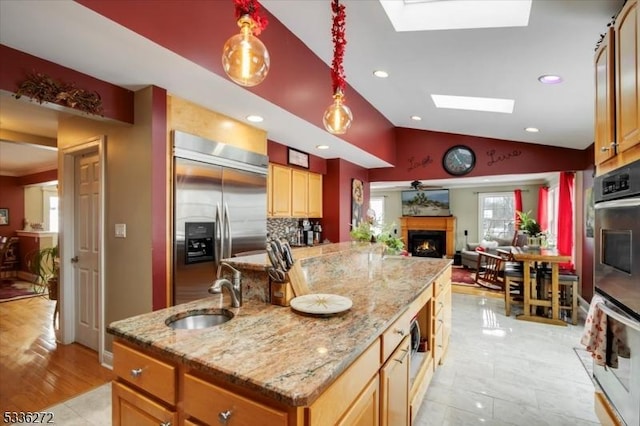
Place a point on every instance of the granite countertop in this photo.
(289, 357)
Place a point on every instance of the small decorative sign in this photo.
(4, 216)
(298, 158)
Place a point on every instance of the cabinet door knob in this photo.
(604, 148)
(401, 360)
(224, 416)
(399, 331)
(136, 372)
(165, 424)
(74, 259)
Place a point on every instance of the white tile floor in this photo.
(498, 371)
(502, 371)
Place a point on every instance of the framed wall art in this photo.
(298, 158)
(4, 216)
(357, 200)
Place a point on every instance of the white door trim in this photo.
(67, 249)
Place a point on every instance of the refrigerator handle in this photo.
(218, 240)
(227, 225)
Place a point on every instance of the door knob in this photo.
(74, 259)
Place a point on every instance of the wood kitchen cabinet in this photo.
(279, 191)
(293, 193)
(617, 105)
(299, 193)
(394, 387)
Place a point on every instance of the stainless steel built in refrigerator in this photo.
(219, 207)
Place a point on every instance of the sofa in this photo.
(469, 255)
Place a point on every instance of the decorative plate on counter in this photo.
(321, 304)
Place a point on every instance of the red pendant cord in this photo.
(339, 42)
(251, 8)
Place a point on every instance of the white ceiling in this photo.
(500, 62)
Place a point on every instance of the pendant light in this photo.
(245, 58)
(337, 117)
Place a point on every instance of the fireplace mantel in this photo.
(431, 223)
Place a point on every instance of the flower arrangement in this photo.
(43, 88)
(529, 224)
(372, 231)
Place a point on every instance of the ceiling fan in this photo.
(419, 186)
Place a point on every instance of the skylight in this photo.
(424, 15)
(474, 104)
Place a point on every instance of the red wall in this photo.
(419, 156)
(117, 102)
(12, 198)
(298, 80)
(41, 177)
(336, 198)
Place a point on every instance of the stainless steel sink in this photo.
(194, 320)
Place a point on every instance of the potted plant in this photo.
(43, 264)
(363, 232)
(531, 227)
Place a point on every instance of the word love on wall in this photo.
(414, 162)
(495, 157)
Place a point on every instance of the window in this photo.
(552, 215)
(50, 208)
(496, 215)
(377, 205)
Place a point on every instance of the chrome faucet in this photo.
(235, 288)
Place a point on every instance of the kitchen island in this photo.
(272, 364)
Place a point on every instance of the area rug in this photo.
(463, 276)
(15, 290)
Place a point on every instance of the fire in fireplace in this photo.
(427, 243)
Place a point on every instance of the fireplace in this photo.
(427, 243)
(443, 225)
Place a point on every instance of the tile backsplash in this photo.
(282, 228)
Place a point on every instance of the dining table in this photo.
(535, 257)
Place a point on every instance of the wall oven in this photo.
(617, 280)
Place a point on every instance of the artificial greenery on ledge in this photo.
(43, 88)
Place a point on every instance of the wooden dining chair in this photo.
(9, 255)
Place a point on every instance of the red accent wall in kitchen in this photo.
(41, 177)
(336, 198)
(12, 198)
(298, 80)
(279, 154)
(159, 203)
(419, 156)
(117, 102)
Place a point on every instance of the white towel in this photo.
(595, 335)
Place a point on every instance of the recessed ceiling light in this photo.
(531, 129)
(255, 118)
(474, 104)
(322, 146)
(550, 79)
(416, 118)
(381, 74)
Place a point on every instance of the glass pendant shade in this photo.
(245, 58)
(337, 118)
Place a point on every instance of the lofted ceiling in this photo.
(490, 62)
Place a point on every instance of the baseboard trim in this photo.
(107, 360)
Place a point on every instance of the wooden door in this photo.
(394, 387)
(605, 100)
(86, 258)
(627, 76)
(315, 195)
(280, 191)
(365, 409)
(299, 193)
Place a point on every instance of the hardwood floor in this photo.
(35, 371)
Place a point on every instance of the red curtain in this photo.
(565, 216)
(517, 197)
(543, 202)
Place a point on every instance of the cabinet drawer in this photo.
(207, 402)
(442, 282)
(392, 337)
(439, 348)
(154, 376)
(133, 409)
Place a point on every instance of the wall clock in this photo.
(459, 160)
